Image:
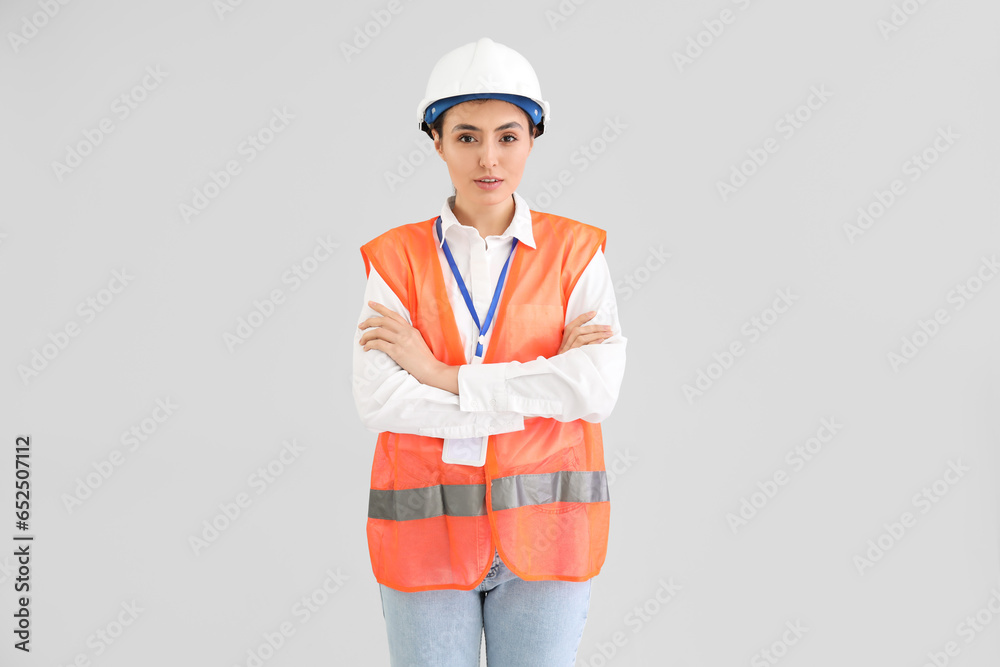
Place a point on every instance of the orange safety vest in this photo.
(542, 498)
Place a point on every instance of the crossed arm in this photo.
(400, 386)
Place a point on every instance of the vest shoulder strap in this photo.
(391, 253)
(573, 241)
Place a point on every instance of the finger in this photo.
(386, 311)
(384, 322)
(571, 337)
(583, 318)
(593, 338)
(378, 333)
(379, 308)
(377, 344)
(578, 341)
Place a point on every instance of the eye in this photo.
(513, 138)
(462, 138)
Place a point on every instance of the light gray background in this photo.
(683, 465)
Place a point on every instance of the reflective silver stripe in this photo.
(579, 486)
(427, 502)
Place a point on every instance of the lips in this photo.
(488, 183)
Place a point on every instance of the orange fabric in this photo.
(562, 540)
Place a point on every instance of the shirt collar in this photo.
(519, 228)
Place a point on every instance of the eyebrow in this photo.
(464, 126)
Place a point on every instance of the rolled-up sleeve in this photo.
(582, 383)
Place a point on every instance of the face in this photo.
(485, 139)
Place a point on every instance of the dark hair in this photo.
(438, 123)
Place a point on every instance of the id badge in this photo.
(465, 451)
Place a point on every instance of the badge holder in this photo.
(465, 451)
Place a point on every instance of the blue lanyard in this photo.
(483, 328)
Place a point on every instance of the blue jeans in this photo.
(527, 623)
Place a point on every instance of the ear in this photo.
(437, 143)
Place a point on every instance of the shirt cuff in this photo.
(485, 424)
(482, 388)
(485, 388)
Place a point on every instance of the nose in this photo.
(488, 157)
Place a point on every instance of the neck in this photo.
(489, 219)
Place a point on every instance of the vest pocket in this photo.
(568, 461)
(556, 508)
(533, 330)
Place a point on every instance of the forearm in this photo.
(443, 377)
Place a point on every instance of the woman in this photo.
(487, 354)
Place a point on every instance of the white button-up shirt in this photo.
(581, 383)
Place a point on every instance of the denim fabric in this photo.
(527, 623)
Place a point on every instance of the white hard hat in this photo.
(482, 69)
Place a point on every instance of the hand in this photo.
(392, 334)
(575, 335)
